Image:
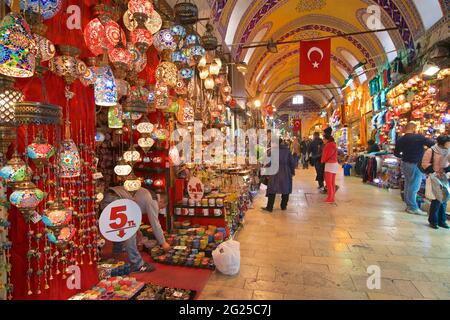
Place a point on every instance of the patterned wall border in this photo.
(356, 43)
(388, 6)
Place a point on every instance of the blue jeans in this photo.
(134, 256)
(413, 179)
(438, 213)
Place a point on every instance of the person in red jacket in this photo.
(329, 158)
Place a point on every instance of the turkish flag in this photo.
(315, 62)
(297, 125)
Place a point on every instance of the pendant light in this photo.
(17, 47)
(105, 89)
(26, 197)
(40, 151)
(132, 183)
(15, 170)
(122, 168)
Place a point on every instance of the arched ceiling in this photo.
(242, 22)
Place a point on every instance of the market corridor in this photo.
(320, 251)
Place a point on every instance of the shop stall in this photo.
(97, 106)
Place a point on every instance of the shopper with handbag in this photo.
(435, 163)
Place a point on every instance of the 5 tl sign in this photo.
(120, 220)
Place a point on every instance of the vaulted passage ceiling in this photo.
(242, 22)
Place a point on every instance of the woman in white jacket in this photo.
(437, 158)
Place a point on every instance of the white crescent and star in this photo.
(315, 64)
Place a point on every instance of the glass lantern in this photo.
(61, 237)
(15, 170)
(57, 215)
(132, 183)
(26, 196)
(142, 39)
(186, 73)
(105, 89)
(131, 156)
(164, 40)
(69, 160)
(204, 73)
(140, 6)
(122, 168)
(40, 151)
(17, 47)
(167, 72)
(45, 48)
(46, 8)
(9, 96)
(146, 143)
(145, 126)
(209, 83)
(115, 115)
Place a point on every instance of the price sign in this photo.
(120, 220)
(195, 188)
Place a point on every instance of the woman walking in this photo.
(329, 158)
(281, 182)
(435, 161)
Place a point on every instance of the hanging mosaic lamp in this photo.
(186, 73)
(123, 88)
(204, 73)
(57, 215)
(164, 40)
(101, 35)
(191, 40)
(146, 143)
(167, 72)
(145, 126)
(8, 98)
(136, 7)
(209, 40)
(70, 163)
(142, 39)
(152, 24)
(209, 83)
(197, 52)
(17, 47)
(26, 197)
(45, 48)
(47, 8)
(67, 65)
(122, 168)
(186, 12)
(214, 68)
(61, 237)
(178, 58)
(120, 58)
(40, 151)
(132, 183)
(15, 170)
(138, 60)
(202, 62)
(115, 117)
(181, 88)
(105, 89)
(131, 156)
(178, 32)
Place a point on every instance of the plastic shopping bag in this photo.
(227, 257)
(429, 189)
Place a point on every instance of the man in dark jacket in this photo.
(304, 150)
(315, 151)
(410, 148)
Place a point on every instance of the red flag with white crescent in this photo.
(315, 62)
(297, 125)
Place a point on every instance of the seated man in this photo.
(149, 204)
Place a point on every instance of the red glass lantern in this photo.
(120, 56)
(142, 39)
(100, 36)
(140, 6)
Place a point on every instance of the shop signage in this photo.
(120, 220)
(195, 189)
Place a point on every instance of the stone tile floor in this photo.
(320, 251)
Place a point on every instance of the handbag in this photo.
(428, 169)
